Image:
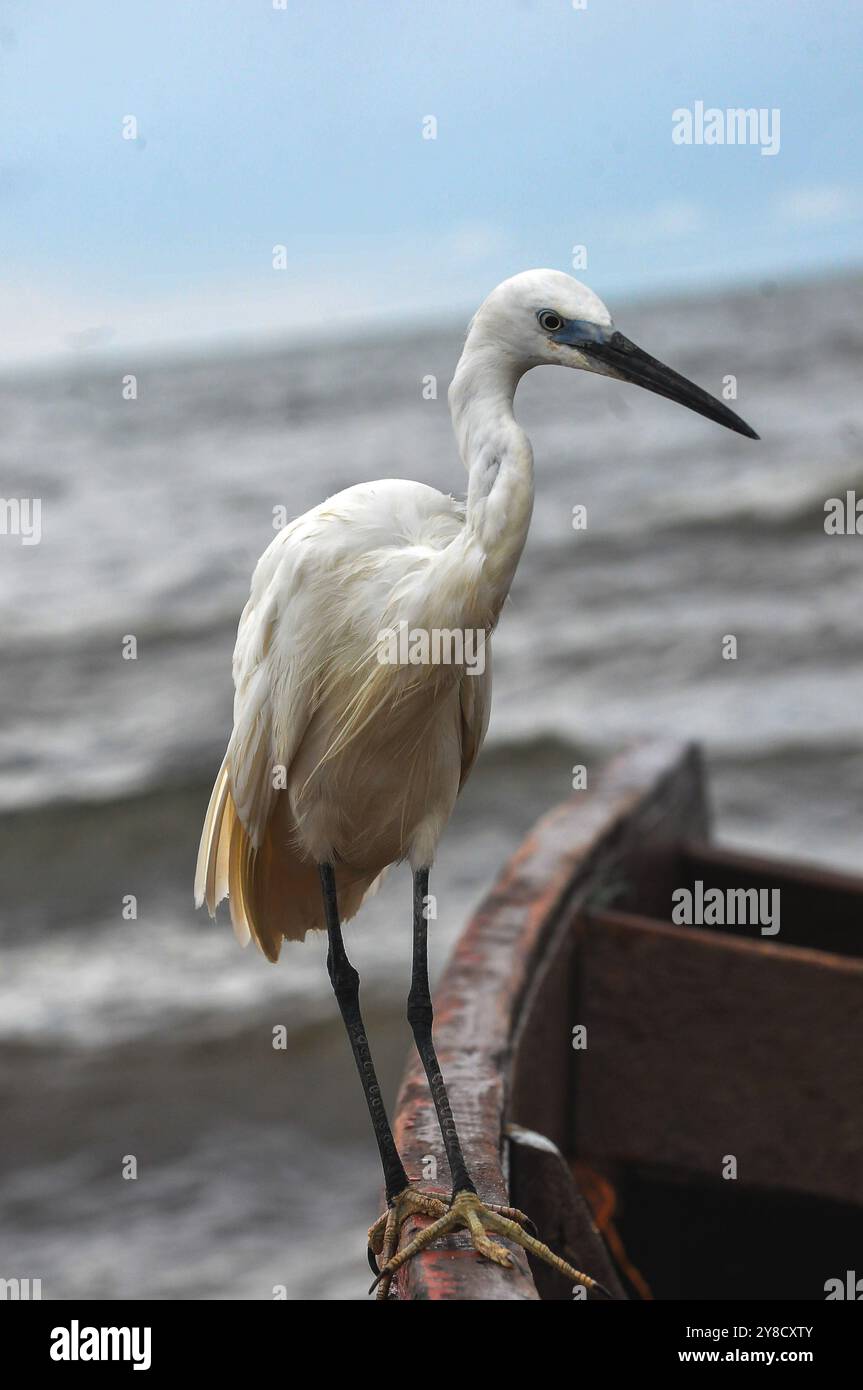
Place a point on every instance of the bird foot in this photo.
(385, 1233)
(465, 1212)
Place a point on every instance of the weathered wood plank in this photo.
(819, 907)
(701, 1045)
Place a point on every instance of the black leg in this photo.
(346, 984)
(420, 1017)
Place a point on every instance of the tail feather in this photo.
(239, 856)
(273, 892)
(208, 847)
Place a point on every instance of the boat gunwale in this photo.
(537, 894)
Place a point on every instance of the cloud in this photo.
(819, 205)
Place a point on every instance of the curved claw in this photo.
(600, 1288)
(503, 1225)
(469, 1213)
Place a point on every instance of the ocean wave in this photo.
(166, 794)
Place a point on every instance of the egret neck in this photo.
(497, 455)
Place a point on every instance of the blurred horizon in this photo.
(365, 332)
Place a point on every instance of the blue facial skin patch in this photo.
(622, 359)
(575, 332)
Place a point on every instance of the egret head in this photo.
(544, 317)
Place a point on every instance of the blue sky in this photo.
(302, 126)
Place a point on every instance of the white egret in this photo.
(342, 762)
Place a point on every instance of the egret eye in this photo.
(549, 320)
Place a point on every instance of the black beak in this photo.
(624, 360)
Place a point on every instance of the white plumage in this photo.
(335, 757)
(371, 755)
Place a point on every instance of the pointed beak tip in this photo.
(747, 430)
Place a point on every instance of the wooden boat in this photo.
(707, 1141)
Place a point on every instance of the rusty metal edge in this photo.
(477, 1006)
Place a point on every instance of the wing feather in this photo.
(322, 578)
